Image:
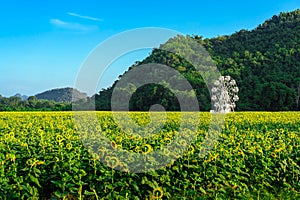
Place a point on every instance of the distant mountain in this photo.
(23, 97)
(62, 95)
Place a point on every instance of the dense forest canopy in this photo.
(32, 104)
(264, 62)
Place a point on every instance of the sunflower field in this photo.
(43, 155)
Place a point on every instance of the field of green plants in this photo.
(42, 156)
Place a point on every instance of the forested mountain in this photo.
(51, 100)
(62, 95)
(265, 62)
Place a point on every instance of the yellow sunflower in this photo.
(118, 139)
(157, 193)
(112, 161)
(170, 164)
(191, 150)
(69, 146)
(166, 152)
(147, 148)
(183, 142)
(167, 140)
(130, 158)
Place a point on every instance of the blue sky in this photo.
(44, 43)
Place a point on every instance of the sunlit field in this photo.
(42, 156)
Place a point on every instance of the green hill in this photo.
(62, 95)
(265, 62)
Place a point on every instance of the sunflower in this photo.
(177, 153)
(107, 158)
(191, 150)
(118, 139)
(157, 193)
(69, 146)
(112, 161)
(170, 164)
(167, 140)
(130, 158)
(7, 136)
(59, 138)
(137, 149)
(183, 142)
(101, 153)
(147, 148)
(166, 152)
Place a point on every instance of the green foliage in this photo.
(42, 157)
(264, 62)
(32, 104)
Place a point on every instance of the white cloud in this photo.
(58, 22)
(72, 25)
(84, 17)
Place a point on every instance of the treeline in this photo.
(32, 104)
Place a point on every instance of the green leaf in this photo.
(59, 194)
(222, 190)
(88, 193)
(135, 187)
(202, 190)
(35, 180)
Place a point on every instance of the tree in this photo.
(32, 100)
(277, 96)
